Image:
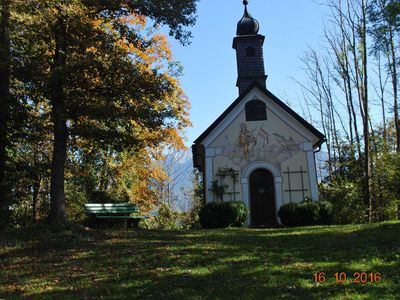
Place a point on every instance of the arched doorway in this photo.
(262, 199)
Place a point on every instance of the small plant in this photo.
(223, 172)
(218, 189)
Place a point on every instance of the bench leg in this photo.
(133, 223)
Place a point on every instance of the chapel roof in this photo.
(312, 129)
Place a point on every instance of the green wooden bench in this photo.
(100, 213)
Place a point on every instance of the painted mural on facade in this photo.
(258, 144)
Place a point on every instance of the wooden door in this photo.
(262, 199)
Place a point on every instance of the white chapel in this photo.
(258, 151)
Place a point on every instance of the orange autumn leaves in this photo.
(153, 50)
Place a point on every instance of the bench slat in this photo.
(121, 217)
(110, 204)
(113, 210)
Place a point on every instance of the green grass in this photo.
(216, 264)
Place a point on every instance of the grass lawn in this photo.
(214, 264)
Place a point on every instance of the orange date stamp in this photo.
(343, 277)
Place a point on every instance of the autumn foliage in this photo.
(95, 94)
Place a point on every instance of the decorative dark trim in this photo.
(290, 190)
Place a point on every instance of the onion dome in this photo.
(247, 24)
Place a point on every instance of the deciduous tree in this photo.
(107, 75)
(5, 98)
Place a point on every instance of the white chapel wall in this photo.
(273, 141)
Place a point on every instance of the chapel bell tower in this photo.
(249, 52)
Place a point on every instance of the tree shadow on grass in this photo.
(215, 264)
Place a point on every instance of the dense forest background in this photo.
(91, 109)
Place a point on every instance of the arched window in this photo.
(250, 51)
(256, 110)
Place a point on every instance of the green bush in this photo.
(289, 215)
(75, 200)
(195, 198)
(347, 200)
(386, 188)
(241, 213)
(190, 219)
(223, 214)
(325, 212)
(166, 218)
(306, 213)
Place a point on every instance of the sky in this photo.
(209, 62)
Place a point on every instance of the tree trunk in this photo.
(57, 215)
(352, 109)
(353, 46)
(4, 107)
(37, 181)
(381, 95)
(367, 161)
(345, 42)
(393, 71)
(35, 196)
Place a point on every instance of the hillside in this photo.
(217, 264)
